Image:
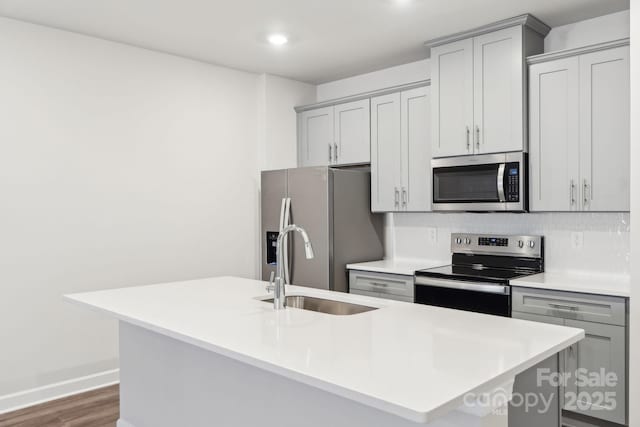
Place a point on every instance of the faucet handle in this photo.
(271, 286)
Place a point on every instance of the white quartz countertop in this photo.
(405, 267)
(590, 283)
(414, 361)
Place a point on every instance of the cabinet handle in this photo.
(335, 151)
(396, 197)
(330, 156)
(478, 137)
(585, 192)
(404, 196)
(572, 192)
(564, 307)
(384, 285)
(468, 139)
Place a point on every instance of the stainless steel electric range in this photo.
(481, 269)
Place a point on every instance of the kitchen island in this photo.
(210, 352)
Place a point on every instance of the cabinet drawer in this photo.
(365, 293)
(570, 305)
(386, 284)
(381, 295)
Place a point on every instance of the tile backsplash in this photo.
(605, 237)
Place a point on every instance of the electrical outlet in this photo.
(433, 234)
(577, 239)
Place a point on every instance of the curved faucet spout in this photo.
(279, 300)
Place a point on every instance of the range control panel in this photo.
(530, 246)
(493, 241)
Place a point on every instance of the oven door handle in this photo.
(466, 286)
(500, 182)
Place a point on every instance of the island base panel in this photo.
(168, 383)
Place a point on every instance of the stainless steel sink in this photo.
(322, 305)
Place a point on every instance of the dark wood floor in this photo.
(96, 408)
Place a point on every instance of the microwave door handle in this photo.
(500, 182)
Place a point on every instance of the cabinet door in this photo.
(554, 135)
(602, 352)
(527, 382)
(385, 153)
(498, 91)
(316, 137)
(352, 133)
(416, 149)
(452, 112)
(604, 130)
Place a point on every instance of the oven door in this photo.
(481, 297)
(493, 182)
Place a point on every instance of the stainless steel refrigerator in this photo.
(333, 206)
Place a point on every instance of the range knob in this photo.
(520, 244)
(532, 244)
(458, 240)
(467, 241)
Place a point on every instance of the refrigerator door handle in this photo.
(285, 243)
(282, 207)
(281, 225)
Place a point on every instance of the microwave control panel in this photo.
(512, 182)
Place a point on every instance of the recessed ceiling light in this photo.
(277, 39)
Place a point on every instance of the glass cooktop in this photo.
(474, 272)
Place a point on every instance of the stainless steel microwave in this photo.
(483, 183)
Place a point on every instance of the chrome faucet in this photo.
(277, 285)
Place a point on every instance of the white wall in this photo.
(634, 334)
(279, 130)
(388, 77)
(603, 28)
(605, 248)
(118, 166)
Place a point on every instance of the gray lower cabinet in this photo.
(595, 367)
(547, 412)
(382, 285)
(601, 352)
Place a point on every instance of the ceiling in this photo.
(330, 39)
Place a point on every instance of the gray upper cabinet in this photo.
(334, 135)
(579, 129)
(386, 156)
(415, 124)
(352, 138)
(315, 137)
(401, 152)
(554, 141)
(604, 130)
(478, 79)
(452, 110)
(498, 94)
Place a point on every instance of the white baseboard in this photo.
(23, 399)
